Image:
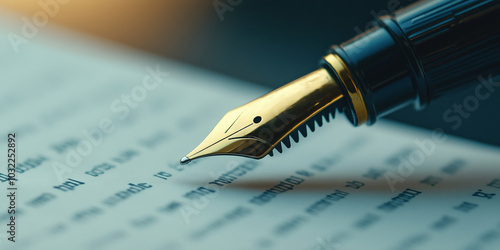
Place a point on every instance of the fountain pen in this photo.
(423, 51)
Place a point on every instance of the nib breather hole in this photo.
(257, 119)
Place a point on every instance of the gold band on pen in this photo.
(352, 90)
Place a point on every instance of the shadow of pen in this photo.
(382, 184)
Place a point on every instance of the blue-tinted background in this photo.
(264, 42)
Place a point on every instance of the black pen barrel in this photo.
(423, 51)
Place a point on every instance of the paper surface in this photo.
(100, 131)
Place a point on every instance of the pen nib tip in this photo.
(185, 160)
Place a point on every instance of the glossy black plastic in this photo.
(422, 52)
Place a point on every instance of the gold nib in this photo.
(257, 127)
